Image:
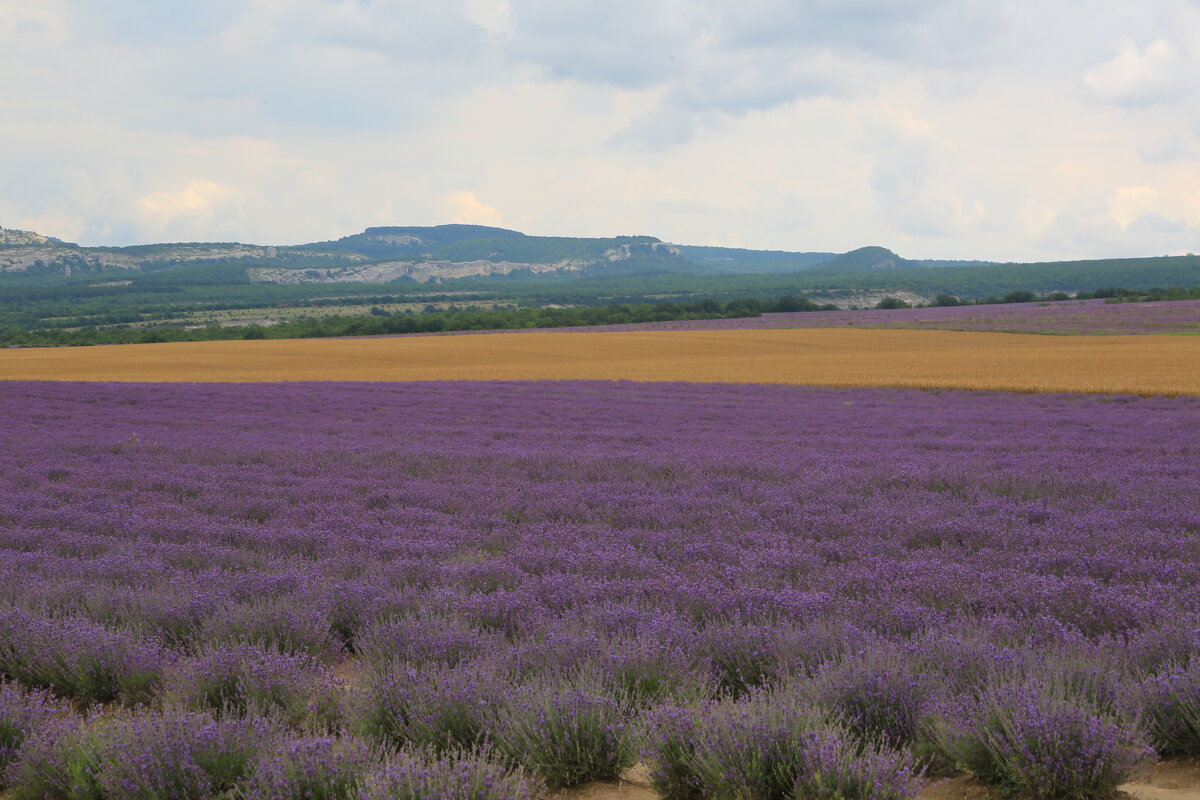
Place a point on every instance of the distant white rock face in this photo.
(13, 237)
(867, 298)
(425, 271)
(420, 271)
(25, 251)
(395, 238)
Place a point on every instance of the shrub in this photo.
(566, 735)
(60, 761)
(78, 657)
(642, 671)
(742, 657)
(435, 707)
(878, 695)
(749, 748)
(145, 756)
(466, 775)
(175, 756)
(243, 679)
(282, 623)
(1035, 738)
(777, 746)
(671, 750)
(1172, 706)
(837, 767)
(23, 713)
(314, 768)
(424, 639)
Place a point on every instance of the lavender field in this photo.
(1065, 317)
(494, 590)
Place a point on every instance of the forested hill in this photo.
(507, 265)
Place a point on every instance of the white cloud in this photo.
(1137, 76)
(1131, 203)
(464, 207)
(941, 128)
(196, 199)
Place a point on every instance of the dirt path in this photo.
(1170, 780)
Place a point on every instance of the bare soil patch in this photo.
(1169, 780)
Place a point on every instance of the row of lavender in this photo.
(1092, 317)
(475, 589)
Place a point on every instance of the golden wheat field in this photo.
(1144, 365)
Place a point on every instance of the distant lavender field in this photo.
(1094, 317)
(290, 575)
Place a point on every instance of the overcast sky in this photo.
(1005, 130)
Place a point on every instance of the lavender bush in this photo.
(176, 756)
(243, 679)
(78, 657)
(463, 775)
(424, 639)
(837, 767)
(139, 756)
(670, 746)
(566, 734)
(61, 761)
(440, 708)
(284, 623)
(775, 746)
(313, 768)
(879, 695)
(1172, 703)
(1033, 737)
(751, 748)
(23, 713)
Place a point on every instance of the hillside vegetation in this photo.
(47, 285)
